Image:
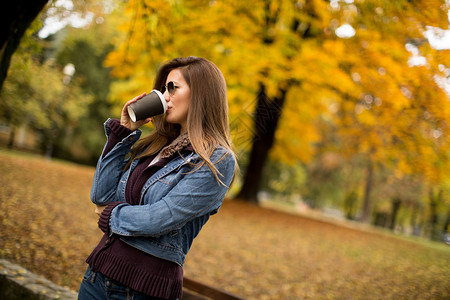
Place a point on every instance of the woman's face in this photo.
(178, 99)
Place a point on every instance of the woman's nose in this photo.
(166, 96)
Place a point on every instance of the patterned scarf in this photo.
(181, 142)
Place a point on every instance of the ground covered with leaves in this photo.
(48, 226)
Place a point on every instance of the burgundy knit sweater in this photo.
(121, 262)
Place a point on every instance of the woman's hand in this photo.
(125, 119)
(99, 209)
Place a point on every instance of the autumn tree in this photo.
(16, 17)
(36, 95)
(291, 78)
(86, 50)
(256, 45)
(391, 116)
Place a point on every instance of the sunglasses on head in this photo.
(170, 87)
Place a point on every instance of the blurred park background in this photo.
(339, 110)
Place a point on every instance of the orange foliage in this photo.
(362, 85)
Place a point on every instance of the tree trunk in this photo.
(434, 231)
(12, 137)
(267, 115)
(367, 191)
(395, 208)
(16, 16)
(350, 201)
(415, 224)
(447, 222)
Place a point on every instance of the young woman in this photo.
(154, 194)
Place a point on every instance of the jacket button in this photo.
(108, 240)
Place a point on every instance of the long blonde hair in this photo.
(207, 120)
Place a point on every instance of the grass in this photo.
(48, 226)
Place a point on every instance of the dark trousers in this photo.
(96, 286)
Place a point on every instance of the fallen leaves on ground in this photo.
(48, 226)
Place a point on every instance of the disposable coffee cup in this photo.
(150, 105)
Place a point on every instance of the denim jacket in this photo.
(175, 202)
